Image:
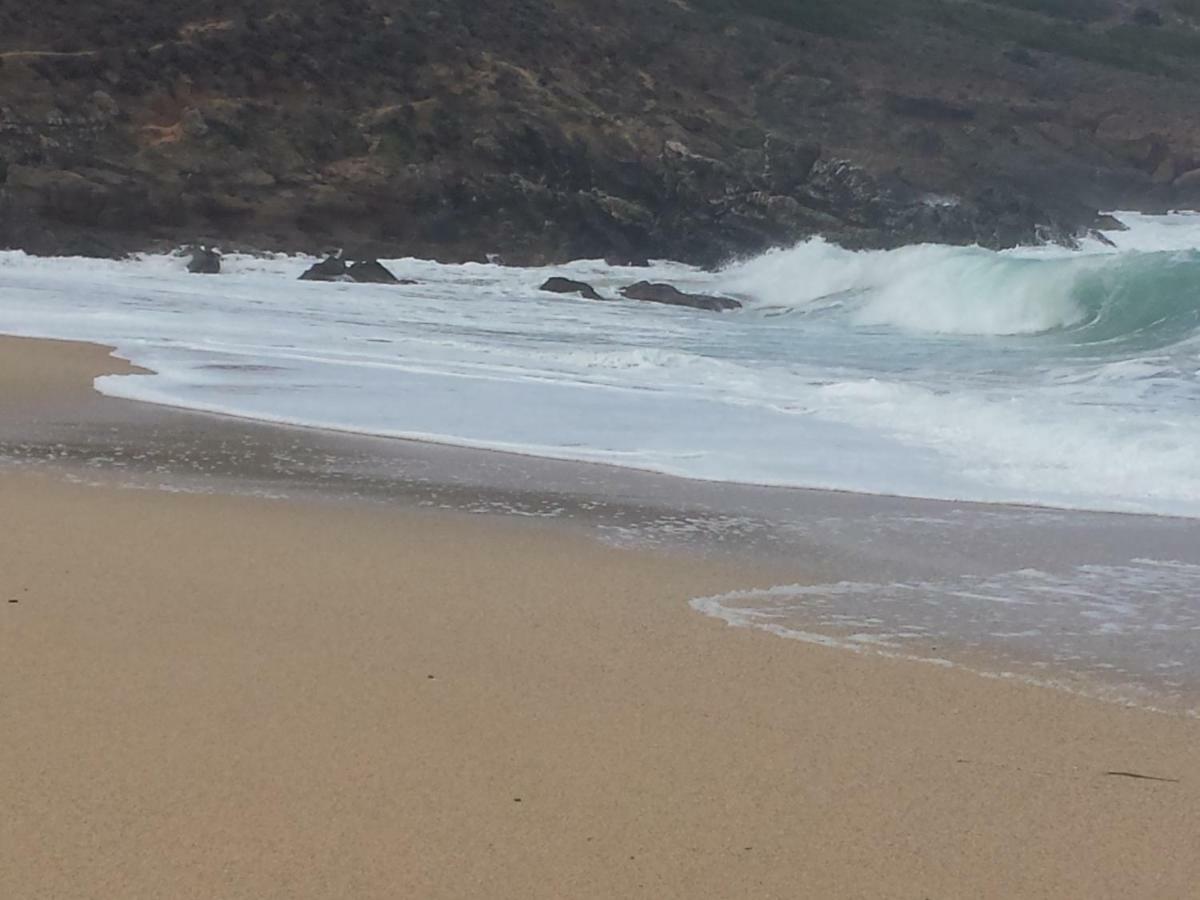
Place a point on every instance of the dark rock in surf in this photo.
(1106, 222)
(558, 285)
(371, 271)
(669, 294)
(205, 261)
(333, 268)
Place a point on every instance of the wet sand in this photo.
(229, 696)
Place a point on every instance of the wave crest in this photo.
(934, 289)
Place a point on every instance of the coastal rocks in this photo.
(647, 291)
(652, 292)
(166, 130)
(786, 165)
(371, 271)
(1108, 222)
(205, 261)
(559, 285)
(332, 268)
(364, 271)
(63, 196)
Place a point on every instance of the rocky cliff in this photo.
(548, 129)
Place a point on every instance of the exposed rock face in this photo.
(548, 130)
(205, 261)
(666, 293)
(567, 286)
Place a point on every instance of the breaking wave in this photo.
(1149, 297)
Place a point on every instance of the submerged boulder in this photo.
(653, 292)
(205, 261)
(558, 285)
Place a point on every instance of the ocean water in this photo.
(1040, 376)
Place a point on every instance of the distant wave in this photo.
(1150, 296)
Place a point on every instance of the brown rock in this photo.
(559, 285)
(669, 294)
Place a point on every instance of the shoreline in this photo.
(209, 694)
(222, 695)
(434, 441)
(785, 532)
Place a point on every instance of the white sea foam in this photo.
(1040, 376)
(1132, 627)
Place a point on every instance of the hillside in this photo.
(548, 129)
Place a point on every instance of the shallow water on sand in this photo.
(1101, 603)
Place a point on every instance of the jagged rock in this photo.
(666, 293)
(1109, 223)
(558, 285)
(786, 165)
(371, 271)
(332, 268)
(363, 271)
(205, 261)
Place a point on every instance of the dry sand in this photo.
(222, 697)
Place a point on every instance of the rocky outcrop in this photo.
(545, 131)
(332, 268)
(363, 271)
(669, 294)
(1109, 223)
(371, 271)
(559, 285)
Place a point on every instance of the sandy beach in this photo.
(205, 695)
